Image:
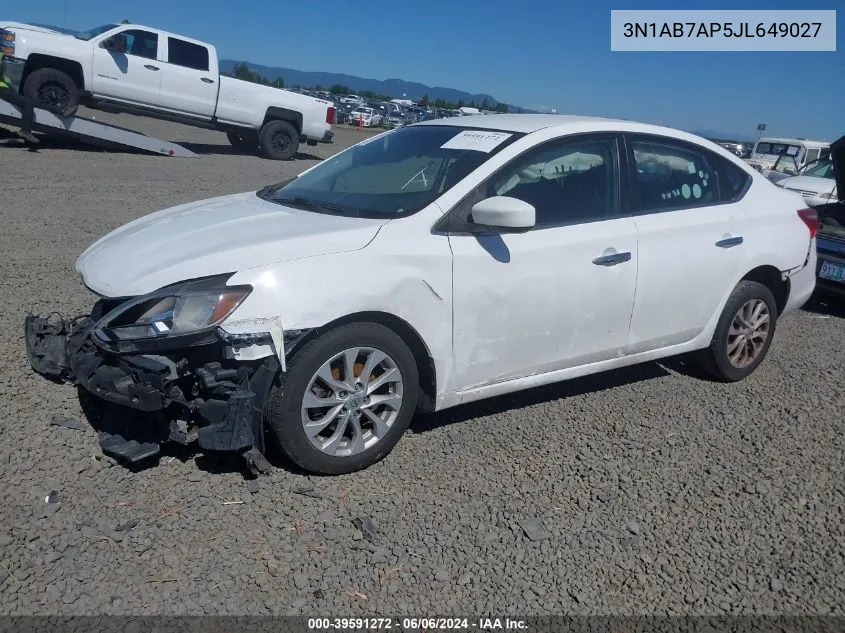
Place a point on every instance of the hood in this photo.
(837, 153)
(220, 235)
(812, 184)
(20, 26)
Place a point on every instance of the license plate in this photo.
(833, 272)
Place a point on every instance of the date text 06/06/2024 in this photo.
(721, 29)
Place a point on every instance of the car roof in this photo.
(528, 123)
(575, 124)
(525, 123)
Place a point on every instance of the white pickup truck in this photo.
(142, 70)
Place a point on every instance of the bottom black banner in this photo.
(408, 624)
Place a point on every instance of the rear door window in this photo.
(187, 54)
(673, 176)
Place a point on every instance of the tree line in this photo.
(242, 71)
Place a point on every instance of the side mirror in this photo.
(504, 214)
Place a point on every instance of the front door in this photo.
(128, 69)
(559, 295)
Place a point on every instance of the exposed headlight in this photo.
(828, 195)
(172, 311)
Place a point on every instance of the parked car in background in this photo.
(364, 116)
(395, 119)
(830, 242)
(742, 150)
(142, 70)
(512, 251)
(767, 151)
(815, 182)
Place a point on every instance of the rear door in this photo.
(126, 67)
(691, 243)
(189, 85)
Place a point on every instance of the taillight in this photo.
(330, 115)
(811, 219)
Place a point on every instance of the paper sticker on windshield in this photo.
(477, 140)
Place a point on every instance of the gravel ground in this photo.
(647, 490)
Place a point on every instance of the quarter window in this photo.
(672, 177)
(571, 182)
(187, 54)
(732, 179)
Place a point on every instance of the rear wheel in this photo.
(347, 398)
(246, 140)
(52, 90)
(279, 140)
(743, 334)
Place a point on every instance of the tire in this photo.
(716, 359)
(284, 413)
(53, 90)
(246, 140)
(278, 140)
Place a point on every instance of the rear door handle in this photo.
(612, 260)
(729, 242)
(150, 67)
(207, 80)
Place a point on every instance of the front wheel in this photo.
(743, 334)
(346, 399)
(52, 90)
(279, 140)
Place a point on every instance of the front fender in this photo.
(413, 284)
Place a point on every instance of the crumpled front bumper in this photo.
(185, 395)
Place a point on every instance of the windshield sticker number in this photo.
(476, 140)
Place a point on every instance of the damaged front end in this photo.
(187, 385)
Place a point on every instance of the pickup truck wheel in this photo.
(279, 140)
(53, 90)
(346, 399)
(243, 140)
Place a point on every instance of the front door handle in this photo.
(150, 67)
(729, 242)
(207, 80)
(612, 260)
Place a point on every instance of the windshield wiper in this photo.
(315, 205)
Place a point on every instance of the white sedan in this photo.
(366, 117)
(430, 266)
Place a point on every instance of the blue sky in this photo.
(545, 53)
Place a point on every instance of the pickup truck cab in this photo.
(143, 70)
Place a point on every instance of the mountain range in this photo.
(399, 87)
(393, 87)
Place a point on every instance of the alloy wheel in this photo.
(748, 333)
(352, 401)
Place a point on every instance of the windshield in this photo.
(392, 174)
(822, 169)
(87, 35)
(776, 149)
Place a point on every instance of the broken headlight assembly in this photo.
(177, 310)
